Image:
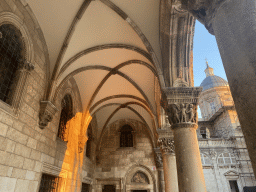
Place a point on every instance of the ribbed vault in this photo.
(111, 49)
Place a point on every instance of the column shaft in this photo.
(189, 166)
(170, 173)
(234, 26)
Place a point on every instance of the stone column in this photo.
(181, 106)
(159, 165)
(234, 25)
(169, 164)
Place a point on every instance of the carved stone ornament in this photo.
(47, 111)
(213, 154)
(29, 66)
(204, 10)
(177, 5)
(159, 160)
(81, 143)
(166, 145)
(180, 104)
(140, 177)
(182, 113)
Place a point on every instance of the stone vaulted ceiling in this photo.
(111, 48)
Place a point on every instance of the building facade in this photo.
(224, 155)
(98, 95)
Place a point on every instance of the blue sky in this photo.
(205, 46)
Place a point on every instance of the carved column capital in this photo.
(166, 146)
(47, 111)
(181, 106)
(204, 10)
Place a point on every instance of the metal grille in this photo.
(49, 183)
(65, 116)
(11, 60)
(126, 137)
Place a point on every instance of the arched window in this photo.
(65, 116)
(126, 137)
(11, 60)
(89, 142)
(226, 158)
(205, 159)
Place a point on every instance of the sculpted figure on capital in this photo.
(182, 113)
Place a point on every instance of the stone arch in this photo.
(12, 19)
(226, 158)
(8, 18)
(133, 170)
(205, 159)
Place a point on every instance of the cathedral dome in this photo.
(212, 80)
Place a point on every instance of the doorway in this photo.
(139, 190)
(109, 188)
(233, 186)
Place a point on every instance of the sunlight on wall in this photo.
(71, 172)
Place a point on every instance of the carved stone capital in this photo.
(204, 10)
(47, 111)
(180, 104)
(166, 146)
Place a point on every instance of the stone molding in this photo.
(47, 111)
(180, 95)
(53, 170)
(204, 10)
(166, 146)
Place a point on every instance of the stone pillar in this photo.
(181, 106)
(159, 165)
(234, 25)
(169, 164)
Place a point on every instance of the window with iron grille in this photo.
(65, 116)
(11, 60)
(126, 136)
(49, 183)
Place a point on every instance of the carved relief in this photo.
(47, 111)
(182, 113)
(213, 154)
(159, 160)
(166, 145)
(44, 118)
(140, 177)
(29, 66)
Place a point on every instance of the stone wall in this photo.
(22, 142)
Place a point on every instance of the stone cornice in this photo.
(181, 95)
(204, 10)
